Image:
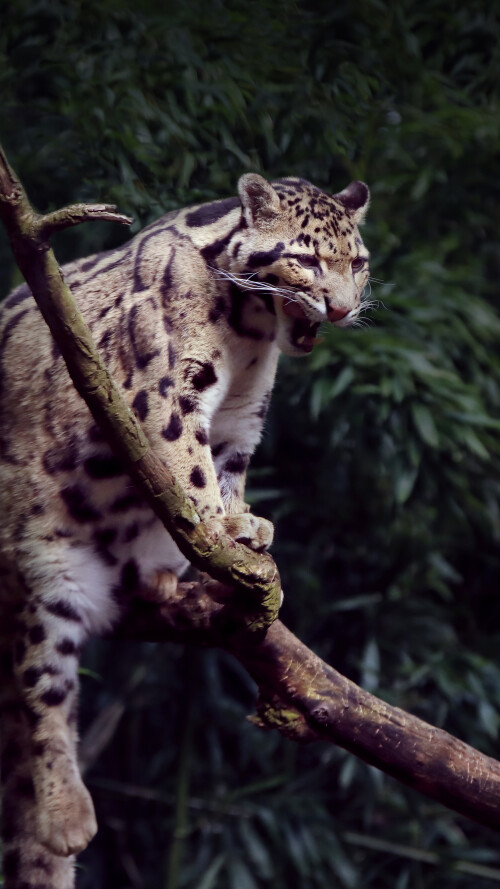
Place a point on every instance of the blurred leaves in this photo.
(380, 459)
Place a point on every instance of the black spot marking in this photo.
(197, 477)
(139, 284)
(79, 507)
(265, 257)
(271, 279)
(17, 297)
(102, 466)
(10, 326)
(164, 385)
(61, 458)
(37, 634)
(218, 310)
(213, 250)
(264, 405)
(31, 676)
(67, 647)
(218, 448)
(209, 213)
(238, 301)
(105, 339)
(187, 404)
(171, 355)
(126, 502)
(142, 354)
(89, 264)
(237, 464)
(42, 864)
(174, 429)
(205, 377)
(95, 433)
(53, 697)
(129, 577)
(201, 437)
(61, 608)
(166, 283)
(131, 533)
(267, 299)
(140, 405)
(103, 538)
(104, 312)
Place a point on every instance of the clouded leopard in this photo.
(190, 317)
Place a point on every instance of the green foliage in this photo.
(380, 462)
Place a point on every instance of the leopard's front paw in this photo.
(255, 532)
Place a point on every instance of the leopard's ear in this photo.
(356, 199)
(261, 204)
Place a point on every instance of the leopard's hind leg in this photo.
(26, 862)
(65, 596)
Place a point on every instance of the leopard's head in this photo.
(306, 247)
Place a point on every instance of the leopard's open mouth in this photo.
(302, 331)
(303, 334)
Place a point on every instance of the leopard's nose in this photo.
(337, 313)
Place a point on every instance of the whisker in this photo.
(368, 304)
(247, 282)
(382, 283)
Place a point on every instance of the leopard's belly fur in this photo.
(190, 317)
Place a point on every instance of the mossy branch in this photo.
(300, 695)
(306, 699)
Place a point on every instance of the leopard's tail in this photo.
(25, 862)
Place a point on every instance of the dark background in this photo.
(380, 460)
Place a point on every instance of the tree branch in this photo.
(306, 699)
(77, 213)
(300, 694)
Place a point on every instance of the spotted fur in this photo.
(190, 316)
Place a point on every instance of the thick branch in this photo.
(225, 559)
(307, 699)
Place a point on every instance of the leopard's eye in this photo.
(358, 263)
(308, 262)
